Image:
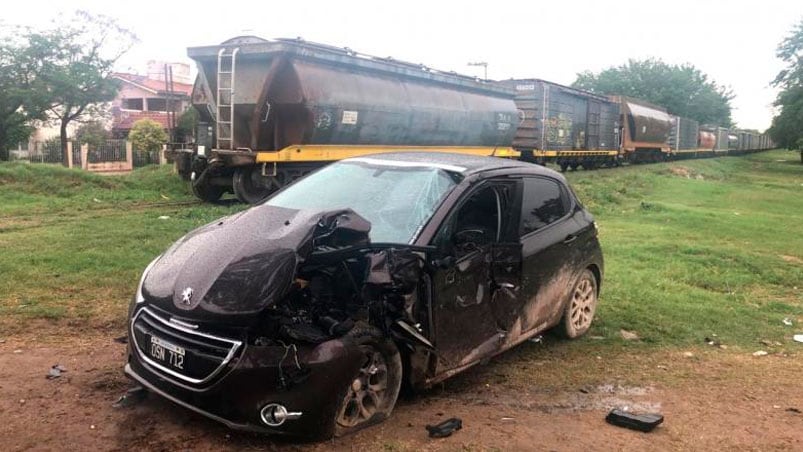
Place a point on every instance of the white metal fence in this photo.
(112, 154)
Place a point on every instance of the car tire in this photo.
(580, 307)
(374, 389)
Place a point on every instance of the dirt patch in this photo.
(792, 259)
(533, 398)
(688, 173)
(681, 171)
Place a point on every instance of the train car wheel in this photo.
(205, 191)
(250, 186)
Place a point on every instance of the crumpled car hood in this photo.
(231, 269)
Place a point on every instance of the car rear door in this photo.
(549, 234)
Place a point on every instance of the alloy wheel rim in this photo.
(583, 304)
(366, 394)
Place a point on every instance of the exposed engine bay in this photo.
(341, 278)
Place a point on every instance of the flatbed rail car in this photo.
(565, 126)
(275, 110)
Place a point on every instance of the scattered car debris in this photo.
(122, 339)
(760, 353)
(537, 339)
(508, 419)
(798, 337)
(712, 342)
(629, 335)
(641, 422)
(793, 410)
(96, 200)
(55, 372)
(131, 397)
(445, 428)
(164, 217)
(787, 321)
(164, 197)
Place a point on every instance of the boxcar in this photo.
(565, 125)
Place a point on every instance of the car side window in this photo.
(543, 203)
(480, 220)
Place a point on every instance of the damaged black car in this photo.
(305, 315)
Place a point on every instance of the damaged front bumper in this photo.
(294, 389)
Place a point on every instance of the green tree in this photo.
(77, 57)
(187, 123)
(682, 89)
(787, 125)
(93, 133)
(21, 96)
(147, 135)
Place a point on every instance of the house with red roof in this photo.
(146, 96)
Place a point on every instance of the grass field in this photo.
(693, 248)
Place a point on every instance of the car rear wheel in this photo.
(580, 308)
(372, 394)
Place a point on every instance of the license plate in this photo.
(167, 353)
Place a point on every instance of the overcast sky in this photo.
(732, 41)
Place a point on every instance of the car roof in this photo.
(464, 164)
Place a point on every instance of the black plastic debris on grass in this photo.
(55, 372)
(121, 339)
(641, 422)
(131, 397)
(445, 428)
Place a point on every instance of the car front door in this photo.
(472, 237)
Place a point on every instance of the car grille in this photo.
(179, 352)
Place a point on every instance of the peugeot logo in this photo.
(186, 296)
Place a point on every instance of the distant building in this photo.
(145, 96)
(140, 96)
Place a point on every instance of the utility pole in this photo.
(484, 65)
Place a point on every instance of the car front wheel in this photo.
(372, 394)
(581, 306)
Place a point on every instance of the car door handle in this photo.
(569, 239)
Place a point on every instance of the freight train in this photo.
(272, 111)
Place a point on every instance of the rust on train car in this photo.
(264, 96)
(708, 140)
(645, 129)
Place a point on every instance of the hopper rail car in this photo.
(273, 111)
